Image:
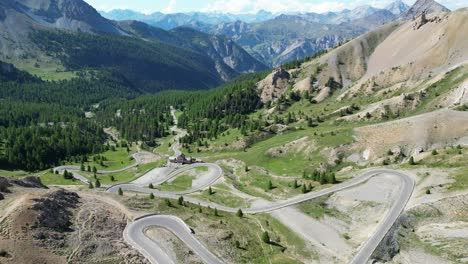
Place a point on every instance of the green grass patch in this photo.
(181, 183)
(292, 164)
(201, 169)
(461, 180)
(48, 178)
(165, 144)
(114, 160)
(317, 208)
(45, 68)
(15, 173)
(222, 197)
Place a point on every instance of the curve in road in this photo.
(134, 233)
(136, 237)
(363, 254)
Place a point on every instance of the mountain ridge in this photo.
(22, 19)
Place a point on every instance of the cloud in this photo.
(277, 6)
(454, 4)
(170, 8)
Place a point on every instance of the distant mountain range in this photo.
(274, 39)
(71, 36)
(170, 21)
(53, 36)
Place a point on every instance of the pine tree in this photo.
(304, 189)
(294, 185)
(97, 183)
(216, 212)
(323, 179)
(94, 169)
(89, 168)
(120, 191)
(90, 185)
(210, 191)
(112, 178)
(270, 185)
(151, 196)
(237, 244)
(82, 167)
(151, 186)
(266, 237)
(411, 161)
(180, 201)
(332, 178)
(240, 213)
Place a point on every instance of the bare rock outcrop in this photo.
(55, 210)
(274, 85)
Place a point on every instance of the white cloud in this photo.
(170, 8)
(276, 6)
(454, 4)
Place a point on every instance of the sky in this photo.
(248, 6)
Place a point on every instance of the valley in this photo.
(122, 142)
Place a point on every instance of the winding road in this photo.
(135, 235)
(137, 227)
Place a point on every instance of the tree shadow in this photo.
(273, 243)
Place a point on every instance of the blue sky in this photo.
(248, 6)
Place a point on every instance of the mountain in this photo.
(397, 7)
(427, 6)
(126, 14)
(373, 20)
(284, 38)
(170, 21)
(349, 15)
(397, 56)
(63, 14)
(274, 39)
(230, 59)
(59, 38)
(292, 37)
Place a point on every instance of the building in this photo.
(181, 159)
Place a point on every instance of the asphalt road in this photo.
(214, 173)
(362, 256)
(74, 169)
(134, 234)
(180, 134)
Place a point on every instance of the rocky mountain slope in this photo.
(260, 34)
(285, 38)
(204, 61)
(60, 226)
(230, 59)
(170, 21)
(427, 6)
(63, 14)
(397, 7)
(306, 34)
(400, 69)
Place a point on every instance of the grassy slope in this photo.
(222, 196)
(220, 232)
(181, 183)
(117, 159)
